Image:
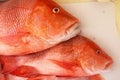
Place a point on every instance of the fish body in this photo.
(76, 57)
(94, 77)
(28, 26)
(2, 77)
(11, 77)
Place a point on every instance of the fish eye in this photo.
(98, 52)
(56, 10)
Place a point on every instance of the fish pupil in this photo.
(98, 51)
(55, 10)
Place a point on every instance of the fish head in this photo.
(52, 23)
(93, 59)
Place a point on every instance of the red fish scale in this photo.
(12, 25)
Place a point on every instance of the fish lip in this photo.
(73, 30)
(108, 64)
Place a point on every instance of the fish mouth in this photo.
(72, 31)
(108, 64)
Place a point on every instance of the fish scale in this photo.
(15, 10)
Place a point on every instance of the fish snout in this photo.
(108, 64)
(73, 30)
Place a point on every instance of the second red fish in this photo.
(78, 56)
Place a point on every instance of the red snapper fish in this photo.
(94, 77)
(76, 57)
(28, 26)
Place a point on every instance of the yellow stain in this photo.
(117, 3)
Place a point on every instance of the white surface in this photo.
(98, 23)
